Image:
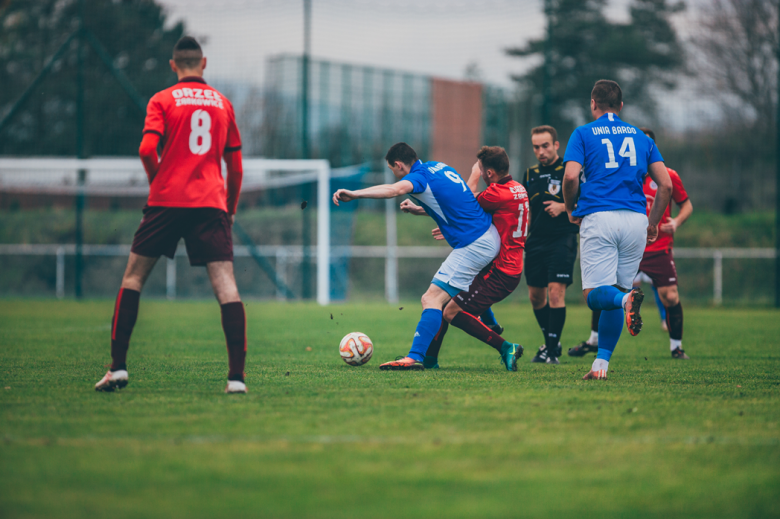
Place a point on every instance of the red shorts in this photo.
(206, 232)
(488, 288)
(659, 266)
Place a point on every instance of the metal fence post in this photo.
(60, 284)
(323, 234)
(717, 273)
(170, 278)
(281, 273)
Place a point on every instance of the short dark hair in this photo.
(545, 129)
(187, 53)
(495, 158)
(401, 152)
(607, 94)
(650, 133)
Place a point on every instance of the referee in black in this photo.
(552, 242)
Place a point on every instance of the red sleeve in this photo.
(155, 117)
(233, 142)
(148, 153)
(678, 190)
(235, 175)
(489, 199)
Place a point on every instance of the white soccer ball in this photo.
(356, 348)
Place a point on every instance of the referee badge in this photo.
(554, 187)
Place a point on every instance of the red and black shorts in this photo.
(206, 232)
(488, 288)
(659, 267)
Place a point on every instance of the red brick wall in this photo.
(457, 123)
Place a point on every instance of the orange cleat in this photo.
(402, 364)
(633, 319)
(596, 375)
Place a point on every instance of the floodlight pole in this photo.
(546, 80)
(305, 153)
(777, 183)
(82, 173)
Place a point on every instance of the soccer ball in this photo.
(356, 348)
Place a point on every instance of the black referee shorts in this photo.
(550, 260)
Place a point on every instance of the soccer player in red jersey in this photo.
(187, 199)
(507, 201)
(658, 263)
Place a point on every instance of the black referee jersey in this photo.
(546, 183)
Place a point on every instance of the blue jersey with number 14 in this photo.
(447, 199)
(614, 157)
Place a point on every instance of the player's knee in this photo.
(450, 311)
(669, 297)
(538, 300)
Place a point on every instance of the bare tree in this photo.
(737, 45)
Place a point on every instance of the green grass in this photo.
(317, 438)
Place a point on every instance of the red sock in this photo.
(125, 314)
(234, 326)
(474, 327)
(433, 349)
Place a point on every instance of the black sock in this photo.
(543, 318)
(674, 321)
(594, 320)
(554, 329)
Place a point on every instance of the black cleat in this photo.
(541, 355)
(582, 349)
(678, 353)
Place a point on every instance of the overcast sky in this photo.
(432, 37)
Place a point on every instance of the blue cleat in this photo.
(509, 355)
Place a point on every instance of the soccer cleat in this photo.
(583, 349)
(431, 362)
(596, 375)
(678, 353)
(553, 360)
(235, 386)
(633, 303)
(509, 355)
(402, 364)
(541, 355)
(496, 328)
(113, 380)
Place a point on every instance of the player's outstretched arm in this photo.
(660, 175)
(571, 185)
(473, 181)
(382, 191)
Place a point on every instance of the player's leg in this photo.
(489, 318)
(661, 308)
(157, 235)
(674, 319)
(536, 277)
(209, 242)
(560, 275)
(612, 245)
(592, 344)
(556, 322)
(431, 360)
(486, 290)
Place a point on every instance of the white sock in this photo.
(600, 364)
(625, 298)
(674, 344)
(594, 338)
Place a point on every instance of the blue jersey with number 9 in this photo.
(447, 199)
(615, 157)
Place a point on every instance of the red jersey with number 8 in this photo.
(507, 201)
(196, 125)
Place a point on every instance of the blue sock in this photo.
(488, 318)
(659, 304)
(429, 325)
(605, 298)
(610, 328)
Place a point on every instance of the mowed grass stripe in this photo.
(317, 438)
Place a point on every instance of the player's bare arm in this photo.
(473, 181)
(571, 184)
(403, 187)
(660, 175)
(410, 207)
(686, 209)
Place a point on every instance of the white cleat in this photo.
(113, 380)
(235, 386)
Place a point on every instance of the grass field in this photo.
(317, 438)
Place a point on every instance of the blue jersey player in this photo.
(613, 158)
(469, 230)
